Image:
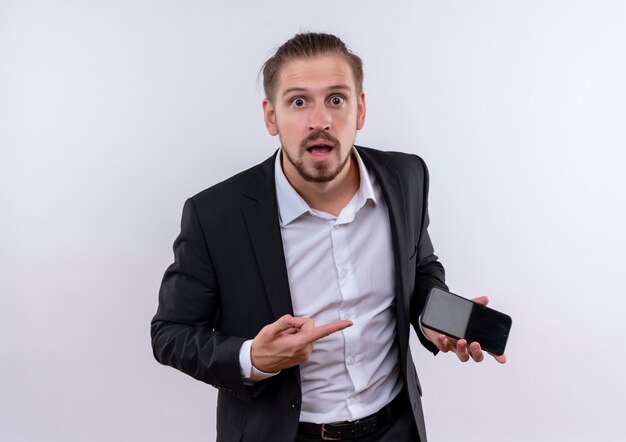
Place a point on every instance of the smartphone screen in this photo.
(459, 317)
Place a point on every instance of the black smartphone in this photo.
(459, 317)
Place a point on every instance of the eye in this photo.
(337, 100)
(298, 102)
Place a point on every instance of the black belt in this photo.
(357, 428)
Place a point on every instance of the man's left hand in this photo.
(460, 347)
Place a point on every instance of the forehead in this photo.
(320, 72)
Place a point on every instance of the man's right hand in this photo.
(288, 342)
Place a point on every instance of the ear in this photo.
(360, 111)
(269, 115)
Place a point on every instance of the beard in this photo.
(322, 173)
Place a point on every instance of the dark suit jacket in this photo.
(229, 280)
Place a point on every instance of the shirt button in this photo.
(344, 273)
(295, 405)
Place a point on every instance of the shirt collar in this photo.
(291, 205)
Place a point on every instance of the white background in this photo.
(112, 113)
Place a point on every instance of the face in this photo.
(316, 112)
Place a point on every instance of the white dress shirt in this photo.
(341, 267)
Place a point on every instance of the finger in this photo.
(289, 331)
(283, 323)
(322, 331)
(443, 343)
(483, 300)
(476, 352)
(461, 350)
(500, 358)
(302, 322)
(305, 324)
(447, 343)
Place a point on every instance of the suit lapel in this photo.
(394, 193)
(261, 217)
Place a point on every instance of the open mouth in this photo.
(319, 148)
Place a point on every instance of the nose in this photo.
(319, 118)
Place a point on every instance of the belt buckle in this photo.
(325, 437)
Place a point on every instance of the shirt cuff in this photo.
(422, 329)
(249, 373)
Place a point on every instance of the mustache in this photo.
(320, 135)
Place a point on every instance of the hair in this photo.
(309, 45)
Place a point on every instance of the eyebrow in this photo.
(302, 89)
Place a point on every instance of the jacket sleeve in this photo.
(429, 272)
(185, 330)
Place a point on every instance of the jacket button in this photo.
(295, 405)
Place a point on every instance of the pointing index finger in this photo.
(322, 331)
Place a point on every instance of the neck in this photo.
(333, 196)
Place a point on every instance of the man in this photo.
(295, 282)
